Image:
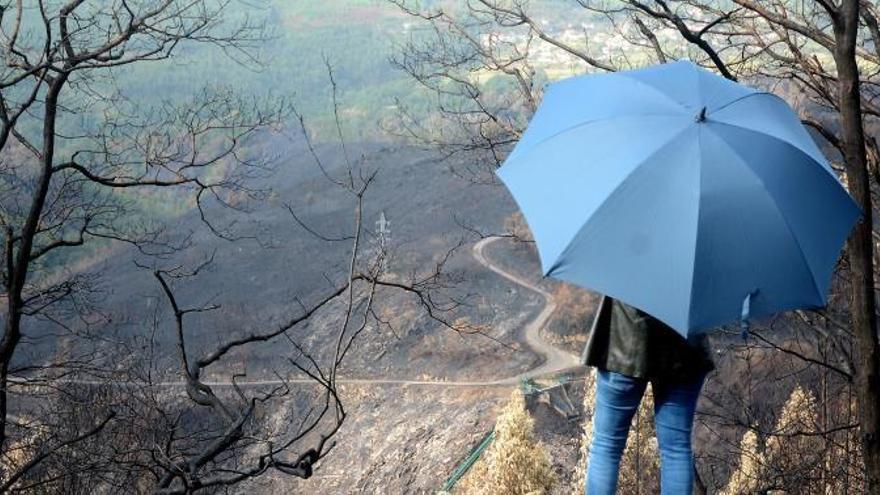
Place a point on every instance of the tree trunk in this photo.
(860, 243)
(18, 271)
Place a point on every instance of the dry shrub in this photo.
(640, 464)
(516, 225)
(793, 457)
(794, 451)
(748, 474)
(20, 451)
(575, 308)
(515, 463)
(580, 476)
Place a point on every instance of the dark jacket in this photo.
(631, 342)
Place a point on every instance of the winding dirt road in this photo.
(553, 358)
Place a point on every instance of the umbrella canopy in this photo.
(689, 196)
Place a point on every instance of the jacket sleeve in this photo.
(597, 340)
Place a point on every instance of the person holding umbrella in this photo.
(696, 199)
(631, 348)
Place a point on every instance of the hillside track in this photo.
(553, 359)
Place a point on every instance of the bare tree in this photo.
(58, 196)
(823, 55)
(60, 182)
(91, 412)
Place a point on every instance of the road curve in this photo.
(553, 358)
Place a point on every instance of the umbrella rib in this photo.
(793, 145)
(655, 89)
(516, 156)
(757, 177)
(743, 97)
(697, 228)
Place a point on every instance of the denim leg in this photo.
(617, 399)
(674, 407)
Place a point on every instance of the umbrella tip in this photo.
(701, 117)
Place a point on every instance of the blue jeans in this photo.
(617, 399)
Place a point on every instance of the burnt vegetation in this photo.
(87, 171)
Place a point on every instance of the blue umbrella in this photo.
(696, 199)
